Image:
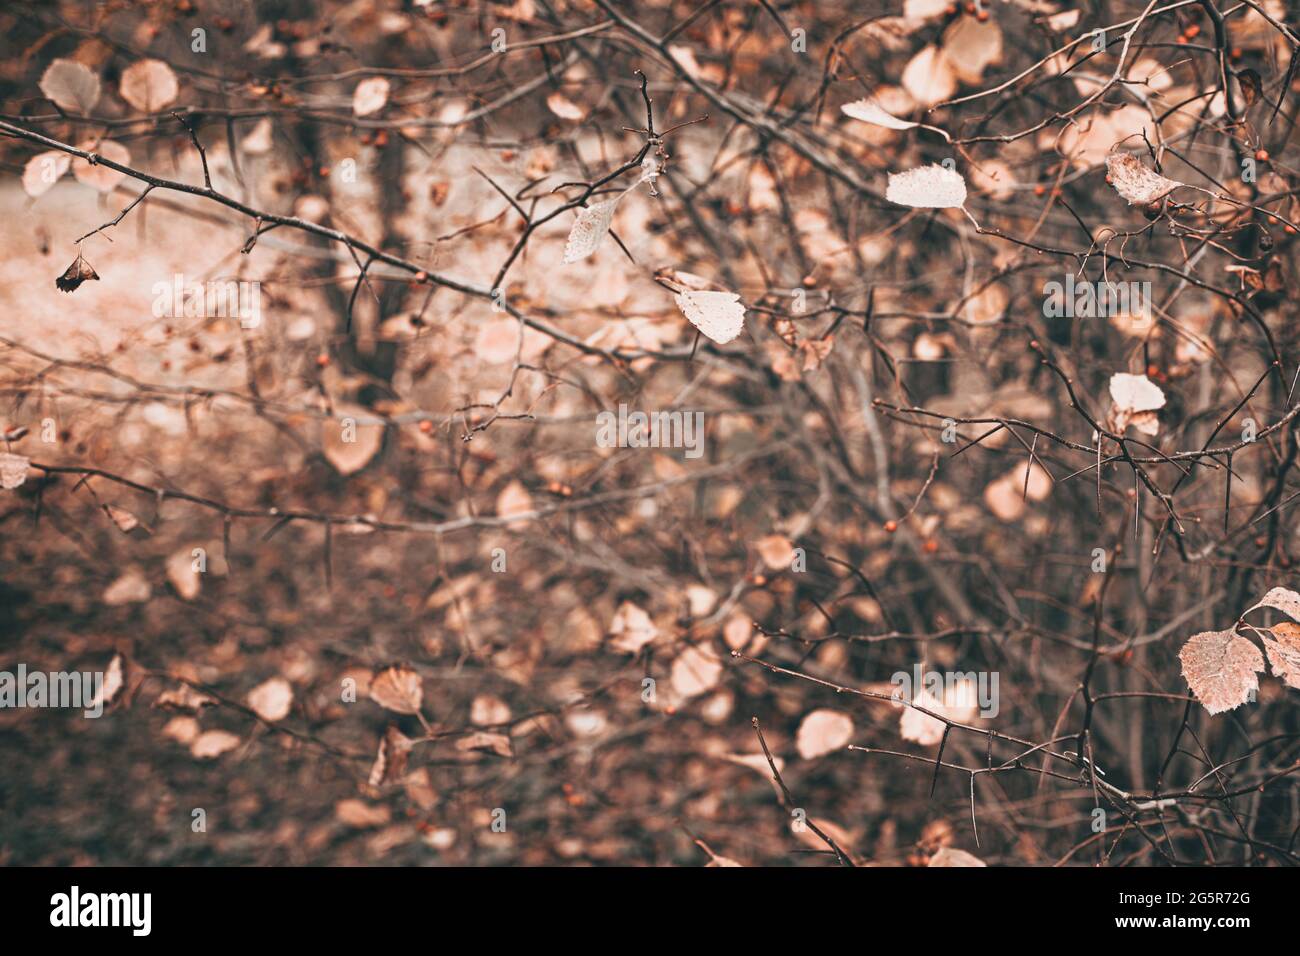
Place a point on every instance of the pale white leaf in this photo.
(1135, 393)
(370, 96)
(719, 315)
(927, 187)
(213, 743)
(589, 229)
(1135, 182)
(872, 112)
(271, 699)
(632, 628)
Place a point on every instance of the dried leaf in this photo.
(695, 670)
(131, 588)
(498, 744)
(71, 86)
(390, 761)
(80, 271)
(213, 743)
(348, 444)
(589, 229)
(114, 681)
(43, 170)
(869, 111)
(260, 139)
(1135, 182)
(719, 315)
(125, 521)
(1284, 600)
(563, 107)
(1284, 653)
(632, 628)
(929, 76)
(927, 187)
(398, 689)
(271, 699)
(362, 815)
(149, 85)
(182, 574)
(13, 470)
(971, 46)
(776, 551)
(951, 856)
(823, 731)
(1220, 668)
(370, 96)
(514, 499)
(1135, 400)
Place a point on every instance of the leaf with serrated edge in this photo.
(1220, 668)
(1284, 599)
(398, 689)
(1284, 653)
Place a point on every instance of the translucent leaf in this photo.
(149, 85)
(1135, 393)
(44, 170)
(589, 229)
(971, 46)
(71, 85)
(719, 315)
(927, 187)
(1220, 668)
(1135, 182)
(370, 96)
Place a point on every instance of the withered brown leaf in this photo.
(80, 271)
(1220, 668)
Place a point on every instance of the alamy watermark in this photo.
(216, 298)
(651, 430)
(1083, 299)
(955, 689)
(84, 689)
